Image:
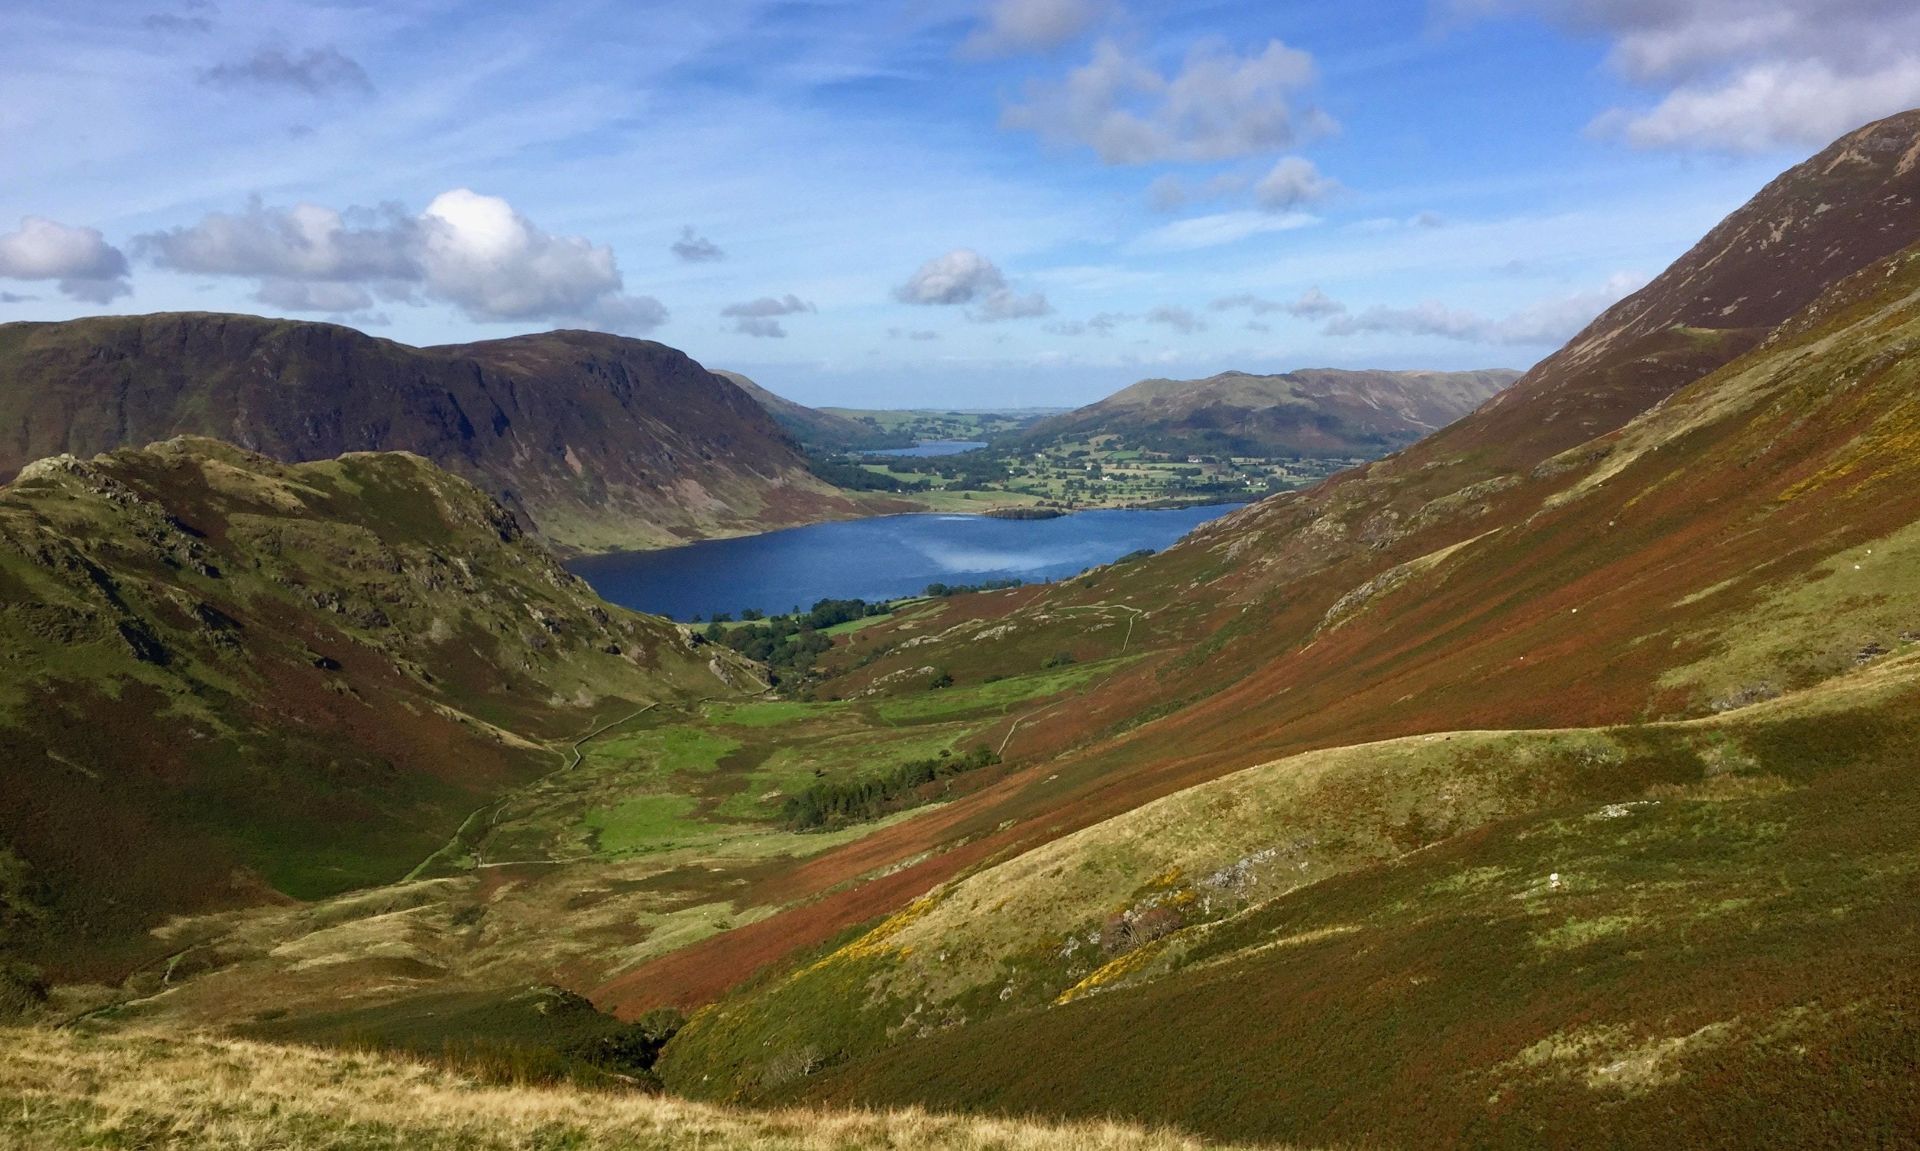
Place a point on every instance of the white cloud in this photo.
(1010, 27)
(1292, 183)
(80, 259)
(1222, 228)
(959, 277)
(1745, 77)
(472, 251)
(761, 317)
(1548, 323)
(1766, 105)
(964, 276)
(695, 248)
(1219, 106)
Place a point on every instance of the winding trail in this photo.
(576, 752)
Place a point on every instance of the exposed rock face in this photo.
(596, 441)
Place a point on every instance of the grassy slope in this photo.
(667, 833)
(1725, 960)
(232, 680)
(1686, 852)
(1778, 478)
(61, 1090)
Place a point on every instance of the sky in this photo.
(950, 203)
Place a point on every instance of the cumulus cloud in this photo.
(1545, 324)
(80, 261)
(1312, 304)
(964, 276)
(317, 72)
(1219, 105)
(1010, 27)
(761, 317)
(918, 335)
(695, 248)
(472, 251)
(1737, 76)
(959, 277)
(1292, 183)
(1179, 319)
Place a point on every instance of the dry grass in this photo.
(150, 1090)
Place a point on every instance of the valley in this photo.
(552, 742)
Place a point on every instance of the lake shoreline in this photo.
(898, 555)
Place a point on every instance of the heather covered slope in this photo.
(1691, 934)
(1573, 932)
(1461, 583)
(231, 680)
(596, 440)
(1315, 412)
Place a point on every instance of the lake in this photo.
(876, 559)
(931, 448)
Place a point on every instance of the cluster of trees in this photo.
(843, 473)
(976, 469)
(943, 590)
(830, 804)
(790, 643)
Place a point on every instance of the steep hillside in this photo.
(1316, 412)
(597, 441)
(1751, 537)
(810, 426)
(230, 680)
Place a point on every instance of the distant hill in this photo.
(811, 426)
(1316, 412)
(230, 680)
(598, 441)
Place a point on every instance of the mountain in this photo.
(231, 681)
(810, 426)
(1546, 783)
(598, 441)
(1316, 412)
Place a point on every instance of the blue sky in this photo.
(952, 203)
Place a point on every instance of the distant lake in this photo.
(931, 448)
(876, 559)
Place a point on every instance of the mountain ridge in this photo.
(1307, 412)
(597, 441)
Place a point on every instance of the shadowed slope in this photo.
(599, 441)
(231, 679)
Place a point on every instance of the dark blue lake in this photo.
(876, 559)
(931, 448)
